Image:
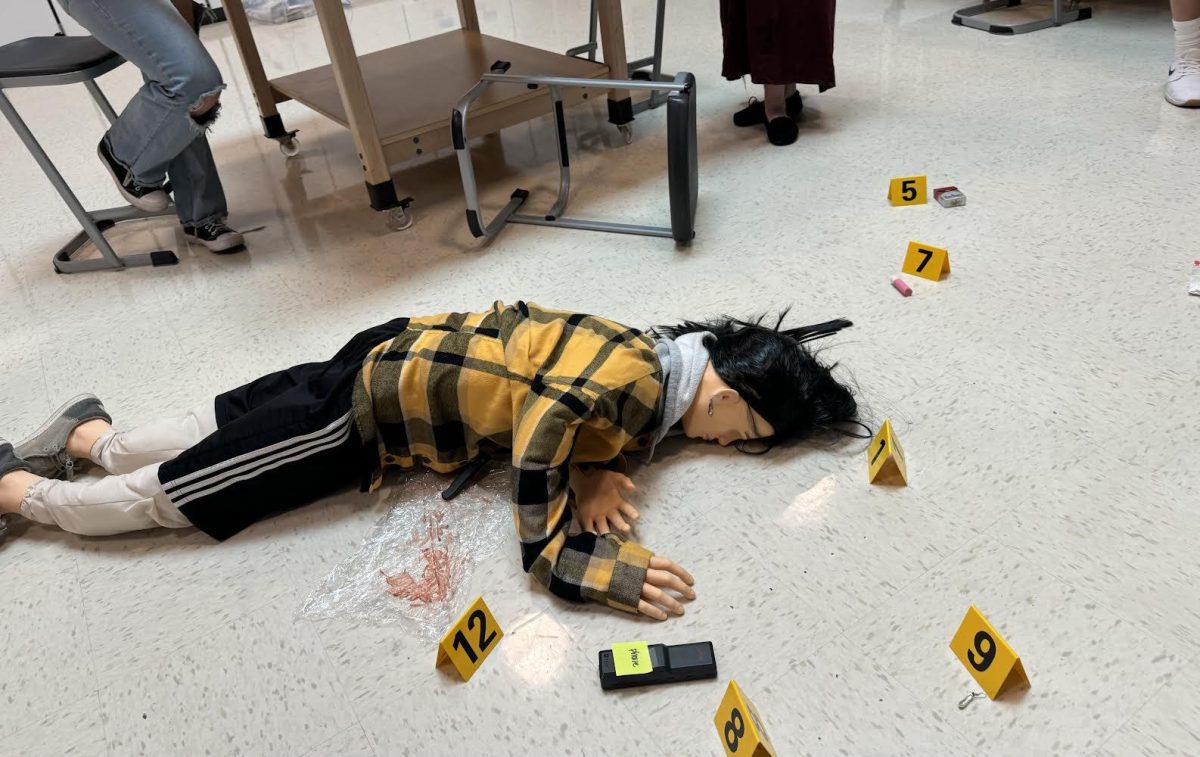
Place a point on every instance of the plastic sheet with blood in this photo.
(414, 567)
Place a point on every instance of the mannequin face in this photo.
(732, 417)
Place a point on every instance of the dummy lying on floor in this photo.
(563, 395)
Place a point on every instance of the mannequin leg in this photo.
(149, 444)
(110, 505)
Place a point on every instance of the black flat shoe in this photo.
(751, 115)
(782, 131)
(793, 105)
(755, 113)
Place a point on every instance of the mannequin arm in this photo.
(601, 499)
(586, 566)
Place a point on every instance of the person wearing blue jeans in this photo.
(161, 133)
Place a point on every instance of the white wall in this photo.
(31, 18)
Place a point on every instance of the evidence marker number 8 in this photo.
(739, 727)
(735, 729)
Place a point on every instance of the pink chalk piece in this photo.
(902, 286)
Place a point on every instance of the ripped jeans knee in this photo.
(206, 108)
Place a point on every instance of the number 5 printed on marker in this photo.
(908, 190)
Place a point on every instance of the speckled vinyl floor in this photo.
(1046, 394)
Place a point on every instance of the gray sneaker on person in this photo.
(46, 450)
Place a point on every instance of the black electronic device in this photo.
(671, 664)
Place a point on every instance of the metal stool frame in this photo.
(94, 222)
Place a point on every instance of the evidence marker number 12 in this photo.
(470, 640)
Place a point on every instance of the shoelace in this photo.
(65, 463)
(138, 186)
(215, 229)
(1186, 67)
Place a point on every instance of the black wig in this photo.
(773, 370)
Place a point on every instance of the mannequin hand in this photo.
(600, 500)
(664, 574)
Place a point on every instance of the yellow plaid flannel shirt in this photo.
(548, 387)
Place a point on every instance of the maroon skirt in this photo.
(779, 41)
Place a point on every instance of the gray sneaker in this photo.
(10, 460)
(46, 450)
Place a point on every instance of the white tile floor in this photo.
(1046, 394)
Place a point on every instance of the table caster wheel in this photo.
(399, 219)
(626, 133)
(289, 146)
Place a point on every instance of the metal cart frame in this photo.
(1063, 12)
(682, 169)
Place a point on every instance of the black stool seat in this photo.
(53, 56)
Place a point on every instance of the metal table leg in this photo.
(612, 40)
(637, 68)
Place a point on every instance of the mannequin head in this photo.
(719, 413)
(763, 383)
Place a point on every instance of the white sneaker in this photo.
(1183, 83)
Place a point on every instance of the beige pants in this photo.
(131, 497)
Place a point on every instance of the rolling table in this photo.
(397, 102)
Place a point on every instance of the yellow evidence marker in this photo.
(926, 261)
(885, 458)
(739, 726)
(908, 190)
(470, 640)
(987, 656)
